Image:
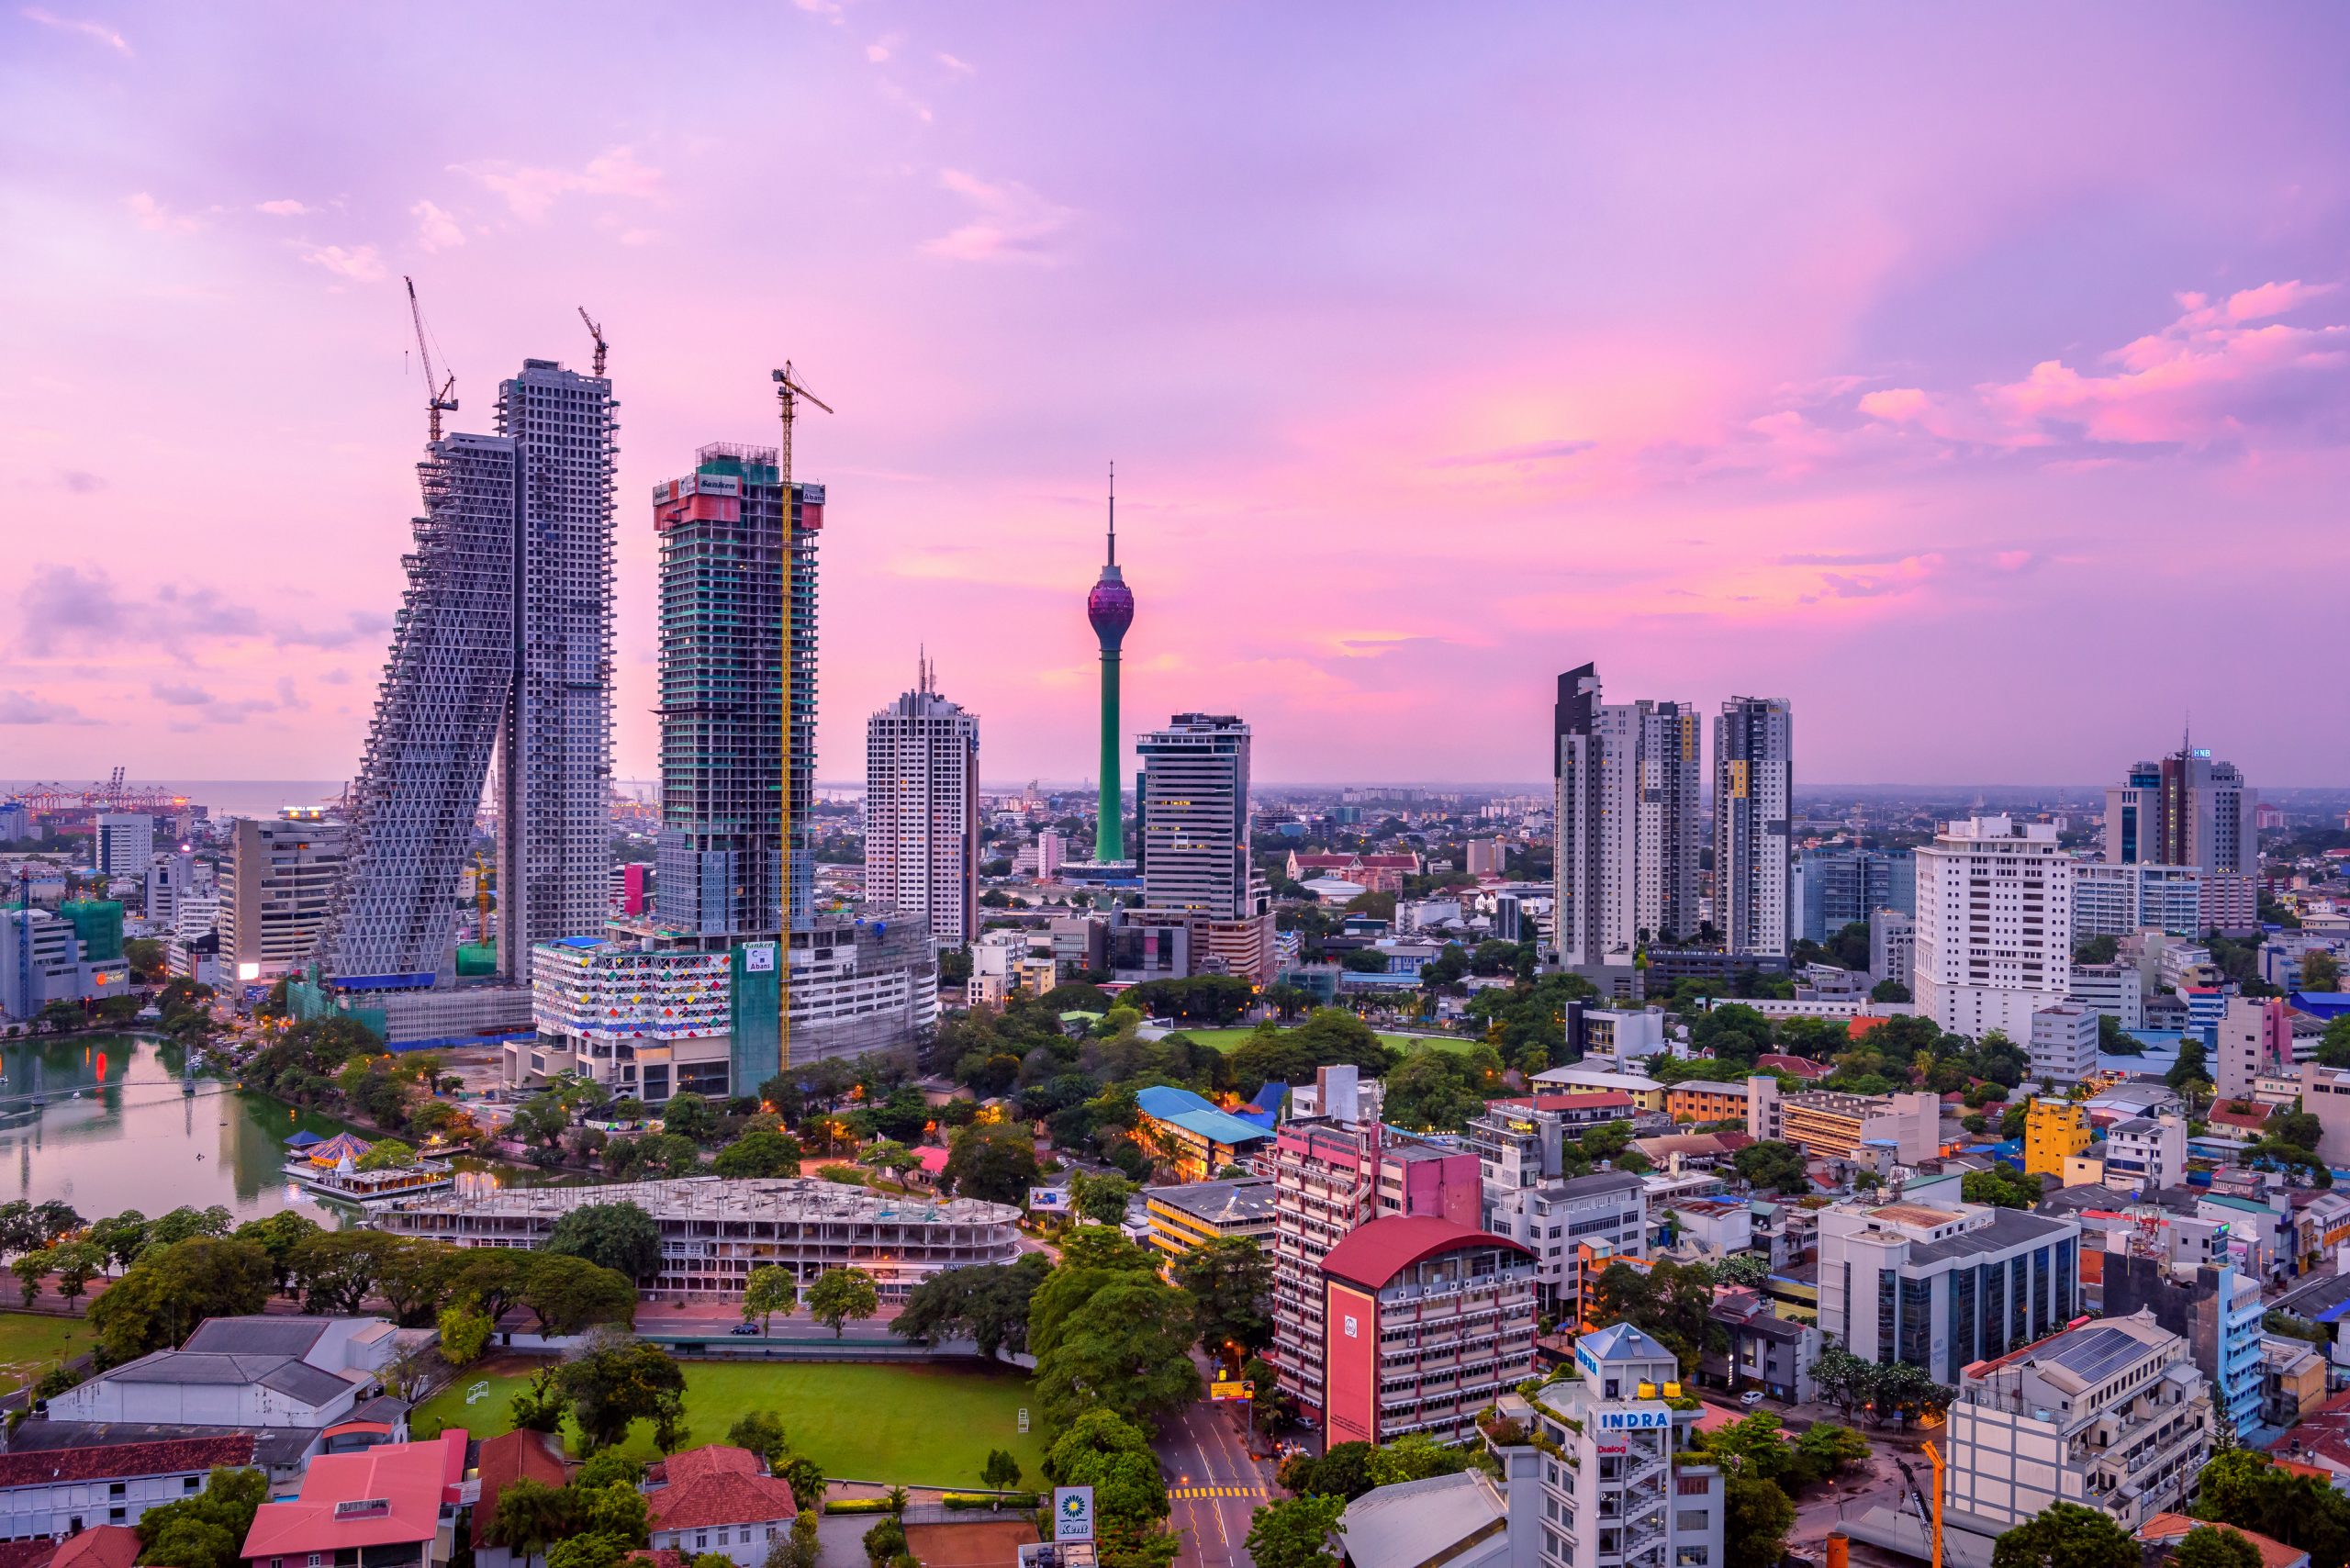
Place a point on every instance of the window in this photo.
(701, 1542)
(191, 1483)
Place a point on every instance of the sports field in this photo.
(912, 1426)
(1231, 1039)
(31, 1343)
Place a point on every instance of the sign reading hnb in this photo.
(1638, 1419)
(1072, 1513)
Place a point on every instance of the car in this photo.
(744, 1328)
(1750, 1398)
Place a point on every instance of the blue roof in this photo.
(2322, 1004)
(302, 1140)
(1621, 1342)
(1182, 1108)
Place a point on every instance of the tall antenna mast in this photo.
(1113, 512)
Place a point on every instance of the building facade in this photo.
(123, 842)
(1831, 1125)
(1945, 1285)
(1192, 848)
(1651, 833)
(2184, 810)
(1994, 922)
(282, 880)
(1839, 885)
(1429, 1323)
(2063, 1044)
(2111, 899)
(922, 812)
(1578, 819)
(1753, 796)
(1619, 1488)
(554, 747)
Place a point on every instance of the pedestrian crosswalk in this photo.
(1217, 1492)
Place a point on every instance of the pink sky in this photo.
(1976, 380)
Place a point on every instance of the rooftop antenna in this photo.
(1113, 513)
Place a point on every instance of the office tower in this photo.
(1192, 806)
(1943, 1284)
(2185, 809)
(446, 681)
(1839, 884)
(2111, 899)
(1578, 911)
(922, 811)
(125, 843)
(1651, 783)
(282, 883)
(1110, 608)
(1753, 792)
(1995, 926)
(720, 859)
(554, 750)
(171, 877)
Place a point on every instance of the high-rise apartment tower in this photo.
(1753, 794)
(922, 811)
(2186, 810)
(1578, 909)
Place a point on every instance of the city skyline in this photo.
(1976, 404)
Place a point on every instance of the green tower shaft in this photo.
(1110, 830)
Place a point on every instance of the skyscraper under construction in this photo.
(502, 646)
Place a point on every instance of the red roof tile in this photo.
(2273, 1553)
(723, 1497)
(118, 1461)
(410, 1479)
(104, 1546)
(27, 1554)
(1799, 1065)
(1374, 1254)
(510, 1457)
(710, 1459)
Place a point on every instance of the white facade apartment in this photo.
(2146, 1152)
(1579, 920)
(1195, 817)
(2111, 1415)
(922, 812)
(125, 843)
(280, 888)
(1649, 777)
(2064, 1043)
(1753, 792)
(2114, 989)
(1619, 1488)
(2114, 901)
(1893, 946)
(1995, 924)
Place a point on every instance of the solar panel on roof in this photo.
(2094, 1354)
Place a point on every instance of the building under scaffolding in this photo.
(715, 1231)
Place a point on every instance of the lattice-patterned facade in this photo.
(437, 717)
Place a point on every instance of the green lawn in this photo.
(914, 1426)
(31, 1344)
(1230, 1039)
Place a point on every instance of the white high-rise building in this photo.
(922, 811)
(1893, 946)
(171, 876)
(1753, 794)
(1193, 839)
(1651, 827)
(281, 885)
(1995, 926)
(2116, 900)
(125, 843)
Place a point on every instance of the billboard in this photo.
(1072, 1513)
(1048, 1199)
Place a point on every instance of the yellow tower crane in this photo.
(788, 393)
(435, 403)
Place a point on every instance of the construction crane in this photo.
(435, 403)
(788, 393)
(114, 790)
(598, 333)
(1929, 1515)
(481, 895)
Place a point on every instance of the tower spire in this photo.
(1113, 512)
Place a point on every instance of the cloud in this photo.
(828, 9)
(1013, 222)
(99, 30)
(72, 607)
(151, 214)
(882, 48)
(81, 482)
(435, 229)
(1530, 452)
(2222, 373)
(285, 207)
(531, 192)
(361, 263)
(960, 67)
(24, 708)
(180, 696)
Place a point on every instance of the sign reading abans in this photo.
(1641, 1419)
(758, 957)
(1072, 1513)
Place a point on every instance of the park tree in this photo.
(529, 1517)
(2215, 1546)
(995, 1162)
(280, 1235)
(842, 1295)
(125, 1234)
(569, 1295)
(1113, 1456)
(769, 1290)
(1230, 1281)
(1115, 1339)
(618, 1382)
(2067, 1535)
(387, 1154)
(1296, 1532)
(761, 1152)
(466, 1329)
(1771, 1164)
(1731, 1030)
(986, 1304)
(688, 1115)
(159, 1301)
(185, 1223)
(616, 1236)
(1756, 1518)
(762, 1432)
(1101, 1200)
(208, 1529)
(2002, 1186)
(1001, 1472)
(1670, 1301)
(541, 1405)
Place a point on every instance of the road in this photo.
(1213, 1485)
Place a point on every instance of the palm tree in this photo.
(530, 1516)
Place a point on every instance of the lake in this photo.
(101, 1121)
